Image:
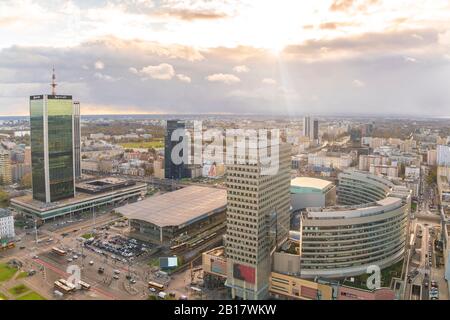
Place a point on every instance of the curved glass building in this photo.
(369, 228)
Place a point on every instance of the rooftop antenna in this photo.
(53, 84)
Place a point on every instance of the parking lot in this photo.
(118, 247)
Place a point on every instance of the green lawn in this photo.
(386, 275)
(143, 144)
(31, 296)
(22, 274)
(19, 289)
(87, 236)
(6, 272)
(2, 297)
(154, 263)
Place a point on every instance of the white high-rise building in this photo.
(258, 214)
(6, 224)
(5, 167)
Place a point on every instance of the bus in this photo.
(59, 251)
(155, 285)
(84, 285)
(68, 284)
(60, 286)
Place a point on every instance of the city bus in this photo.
(155, 285)
(84, 285)
(71, 286)
(62, 287)
(59, 251)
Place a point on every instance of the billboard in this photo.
(218, 266)
(244, 273)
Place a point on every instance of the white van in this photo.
(162, 295)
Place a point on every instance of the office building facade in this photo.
(258, 213)
(52, 156)
(311, 128)
(171, 169)
(5, 167)
(77, 139)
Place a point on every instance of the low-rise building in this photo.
(312, 192)
(6, 224)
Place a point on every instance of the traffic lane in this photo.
(65, 275)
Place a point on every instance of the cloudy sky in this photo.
(286, 57)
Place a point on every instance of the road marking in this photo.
(63, 273)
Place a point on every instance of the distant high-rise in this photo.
(5, 166)
(315, 134)
(77, 139)
(307, 126)
(172, 170)
(258, 213)
(52, 155)
(311, 128)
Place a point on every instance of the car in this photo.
(69, 260)
(116, 277)
(91, 263)
(152, 289)
(116, 271)
(36, 257)
(21, 247)
(101, 270)
(75, 257)
(133, 281)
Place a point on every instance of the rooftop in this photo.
(177, 208)
(28, 201)
(313, 183)
(4, 213)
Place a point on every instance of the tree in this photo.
(432, 175)
(26, 180)
(4, 198)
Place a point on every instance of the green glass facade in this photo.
(52, 147)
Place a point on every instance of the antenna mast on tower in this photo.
(53, 84)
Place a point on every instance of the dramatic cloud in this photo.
(99, 65)
(341, 5)
(235, 56)
(184, 78)
(163, 71)
(358, 83)
(190, 15)
(225, 78)
(269, 81)
(241, 69)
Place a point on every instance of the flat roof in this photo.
(177, 208)
(307, 182)
(4, 213)
(28, 201)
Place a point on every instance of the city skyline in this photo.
(154, 57)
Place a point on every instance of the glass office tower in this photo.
(52, 158)
(172, 170)
(77, 139)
